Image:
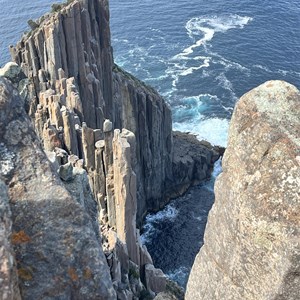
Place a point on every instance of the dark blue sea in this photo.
(201, 56)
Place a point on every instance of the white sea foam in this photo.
(207, 26)
(214, 130)
(279, 71)
(262, 68)
(217, 171)
(221, 23)
(192, 69)
(225, 83)
(169, 212)
(208, 35)
(204, 27)
(179, 275)
(229, 64)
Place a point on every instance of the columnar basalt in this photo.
(252, 248)
(68, 60)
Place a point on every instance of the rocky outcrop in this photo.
(252, 248)
(58, 252)
(192, 162)
(100, 175)
(8, 275)
(68, 60)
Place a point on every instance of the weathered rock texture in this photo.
(252, 240)
(80, 104)
(8, 276)
(58, 252)
(192, 162)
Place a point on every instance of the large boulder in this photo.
(58, 252)
(252, 240)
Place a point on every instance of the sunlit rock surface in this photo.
(252, 240)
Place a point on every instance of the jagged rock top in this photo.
(252, 248)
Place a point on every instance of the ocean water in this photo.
(174, 235)
(201, 56)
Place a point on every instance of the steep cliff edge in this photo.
(57, 250)
(252, 248)
(72, 79)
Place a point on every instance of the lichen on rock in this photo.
(252, 248)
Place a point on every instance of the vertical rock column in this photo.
(99, 179)
(109, 172)
(88, 145)
(70, 137)
(125, 191)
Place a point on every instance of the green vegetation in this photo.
(174, 289)
(133, 273)
(55, 7)
(32, 24)
(139, 83)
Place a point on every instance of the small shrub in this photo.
(32, 24)
(134, 273)
(55, 7)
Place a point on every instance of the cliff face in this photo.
(252, 248)
(99, 177)
(68, 60)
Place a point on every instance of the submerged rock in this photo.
(252, 240)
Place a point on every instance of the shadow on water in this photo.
(174, 235)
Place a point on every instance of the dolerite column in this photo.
(69, 131)
(109, 172)
(125, 191)
(99, 179)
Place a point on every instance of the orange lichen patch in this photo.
(20, 237)
(24, 274)
(87, 273)
(72, 274)
(269, 85)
